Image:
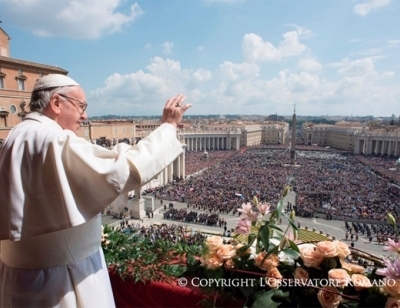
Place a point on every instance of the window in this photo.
(21, 84)
(2, 79)
(21, 81)
(13, 109)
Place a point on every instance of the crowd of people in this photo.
(326, 182)
(182, 215)
(378, 232)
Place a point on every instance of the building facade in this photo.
(17, 78)
(339, 136)
(354, 137)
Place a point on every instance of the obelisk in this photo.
(293, 141)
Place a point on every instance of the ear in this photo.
(54, 106)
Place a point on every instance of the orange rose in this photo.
(213, 261)
(273, 278)
(327, 249)
(214, 242)
(310, 256)
(392, 287)
(329, 297)
(339, 277)
(226, 252)
(301, 274)
(360, 282)
(342, 249)
(270, 261)
(353, 268)
(393, 302)
(229, 264)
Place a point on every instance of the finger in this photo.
(186, 107)
(173, 101)
(179, 100)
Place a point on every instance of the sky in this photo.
(319, 57)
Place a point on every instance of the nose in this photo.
(84, 115)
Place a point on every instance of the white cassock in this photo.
(53, 186)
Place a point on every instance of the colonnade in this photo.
(378, 145)
(174, 170)
(206, 143)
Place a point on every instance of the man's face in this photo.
(72, 108)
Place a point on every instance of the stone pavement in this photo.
(334, 228)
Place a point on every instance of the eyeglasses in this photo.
(82, 105)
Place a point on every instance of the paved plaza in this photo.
(334, 228)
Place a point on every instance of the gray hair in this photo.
(41, 98)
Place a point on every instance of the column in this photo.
(176, 167)
(376, 147)
(357, 147)
(182, 164)
(383, 147)
(137, 206)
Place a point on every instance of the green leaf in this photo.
(275, 227)
(251, 238)
(291, 253)
(294, 246)
(174, 270)
(264, 236)
(278, 209)
(291, 222)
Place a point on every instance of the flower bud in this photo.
(255, 201)
(391, 219)
(283, 242)
(285, 191)
(292, 215)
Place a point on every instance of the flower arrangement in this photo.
(284, 272)
(265, 266)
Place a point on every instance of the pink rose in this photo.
(273, 278)
(310, 256)
(270, 261)
(342, 249)
(360, 282)
(214, 242)
(229, 264)
(327, 249)
(391, 287)
(329, 297)
(301, 274)
(226, 252)
(212, 261)
(353, 268)
(339, 277)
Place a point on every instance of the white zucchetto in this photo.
(54, 80)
